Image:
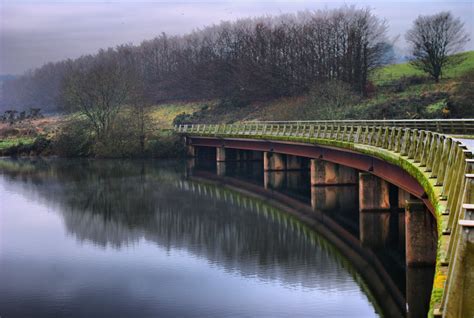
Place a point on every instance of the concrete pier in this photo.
(191, 151)
(421, 238)
(328, 173)
(332, 199)
(418, 282)
(273, 179)
(220, 154)
(403, 197)
(374, 211)
(273, 161)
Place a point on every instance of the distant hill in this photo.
(6, 77)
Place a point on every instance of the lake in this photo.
(118, 238)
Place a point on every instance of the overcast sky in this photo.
(36, 31)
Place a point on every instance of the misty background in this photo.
(36, 32)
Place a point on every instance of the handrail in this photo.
(450, 126)
(445, 163)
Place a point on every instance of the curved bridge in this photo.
(429, 160)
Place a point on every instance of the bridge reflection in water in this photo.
(333, 210)
(95, 209)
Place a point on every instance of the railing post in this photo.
(455, 193)
(434, 147)
(413, 142)
(405, 142)
(440, 150)
(426, 149)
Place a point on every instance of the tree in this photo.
(434, 39)
(98, 92)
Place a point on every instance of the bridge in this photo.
(430, 163)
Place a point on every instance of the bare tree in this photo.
(248, 59)
(433, 40)
(98, 92)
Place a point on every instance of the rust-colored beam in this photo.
(349, 158)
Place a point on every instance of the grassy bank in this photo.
(394, 72)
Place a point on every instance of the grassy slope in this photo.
(162, 115)
(425, 99)
(15, 141)
(396, 71)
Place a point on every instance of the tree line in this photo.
(249, 59)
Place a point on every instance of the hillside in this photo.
(400, 92)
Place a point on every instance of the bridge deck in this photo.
(469, 143)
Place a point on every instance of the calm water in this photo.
(132, 239)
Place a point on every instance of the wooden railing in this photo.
(443, 160)
(447, 126)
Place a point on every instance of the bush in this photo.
(74, 139)
(234, 101)
(166, 146)
(182, 119)
(329, 100)
(401, 84)
(460, 103)
(41, 144)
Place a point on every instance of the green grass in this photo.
(396, 71)
(163, 115)
(15, 141)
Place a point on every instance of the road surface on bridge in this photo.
(469, 143)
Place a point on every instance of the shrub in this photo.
(329, 100)
(460, 102)
(182, 119)
(73, 140)
(166, 146)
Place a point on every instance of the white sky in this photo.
(36, 31)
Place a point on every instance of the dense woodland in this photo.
(309, 65)
(247, 60)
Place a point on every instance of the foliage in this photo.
(15, 141)
(433, 40)
(163, 115)
(324, 101)
(98, 91)
(460, 103)
(182, 119)
(74, 140)
(165, 145)
(21, 146)
(249, 59)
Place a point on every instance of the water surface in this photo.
(135, 238)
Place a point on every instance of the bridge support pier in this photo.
(220, 154)
(403, 197)
(273, 161)
(328, 173)
(191, 151)
(220, 161)
(374, 210)
(273, 179)
(333, 198)
(421, 240)
(418, 280)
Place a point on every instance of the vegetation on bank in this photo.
(404, 97)
(123, 102)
